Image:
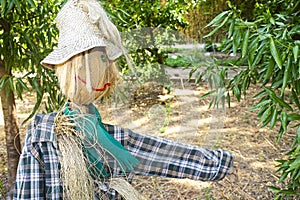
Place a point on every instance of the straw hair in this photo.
(85, 72)
(125, 189)
(76, 180)
(78, 174)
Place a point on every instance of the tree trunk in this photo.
(11, 129)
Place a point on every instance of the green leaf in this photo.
(272, 21)
(237, 92)
(208, 94)
(276, 83)
(288, 192)
(262, 103)
(296, 52)
(218, 18)
(245, 85)
(295, 164)
(17, 3)
(274, 189)
(19, 90)
(11, 84)
(260, 94)
(274, 53)
(10, 6)
(274, 118)
(286, 75)
(295, 98)
(228, 99)
(284, 121)
(3, 5)
(31, 3)
(277, 99)
(35, 108)
(20, 81)
(220, 92)
(236, 41)
(283, 177)
(217, 28)
(258, 56)
(231, 28)
(3, 80)
(298, 134)
(293, 117)
(37, 87)
(266, 116)
(297, 176)
(30, 43)
(245, 43)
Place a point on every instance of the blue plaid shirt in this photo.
(38, 174)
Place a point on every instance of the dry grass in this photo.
(234, 129)
(189, 120)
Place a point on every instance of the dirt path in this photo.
(234, 129)
(186, 118)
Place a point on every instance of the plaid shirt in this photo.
(38, 171)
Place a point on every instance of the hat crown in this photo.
(73, 22)
(79, 31)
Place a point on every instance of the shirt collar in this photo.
(43, 129)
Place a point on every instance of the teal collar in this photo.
(97, 138)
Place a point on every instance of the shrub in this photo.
(270, 43)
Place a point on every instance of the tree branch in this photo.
(5, 25)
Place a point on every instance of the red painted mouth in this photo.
(106, 85)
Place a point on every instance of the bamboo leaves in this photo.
(270, 43)
(245, 43)
(269, 60)
(31, 3)
(296, 52)
(274, 53)
(26, 40)
(219, 21)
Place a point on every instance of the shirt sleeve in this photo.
(167, 158)
(30, 182)
(38, 170)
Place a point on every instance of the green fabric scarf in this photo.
(91, 125)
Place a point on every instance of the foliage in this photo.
(252, 8)
(177, 61)
(28, 34)
(140, 14)
(201, 14)
(204, 11)
(31, 34)
(270, 43)
(147, 25)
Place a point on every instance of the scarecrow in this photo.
(71, 154)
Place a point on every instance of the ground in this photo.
(180, 114)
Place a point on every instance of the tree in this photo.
(270, 46)
(27, 35)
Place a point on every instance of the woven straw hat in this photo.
(83, 25)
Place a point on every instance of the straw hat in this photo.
(83, 25)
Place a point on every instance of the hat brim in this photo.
(61, 55)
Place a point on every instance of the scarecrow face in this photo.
(87, 76)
